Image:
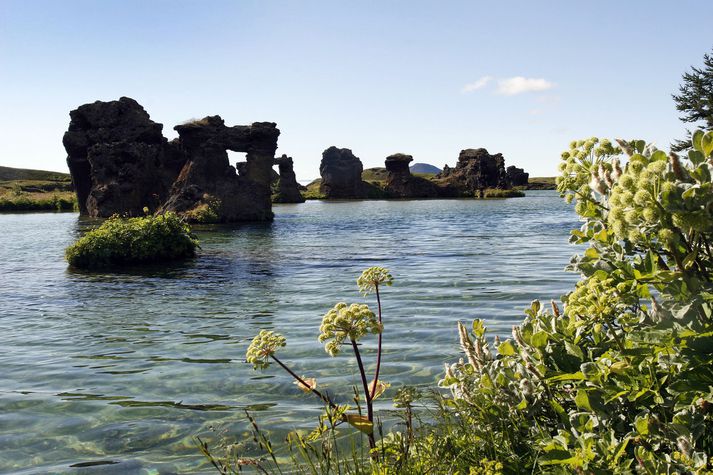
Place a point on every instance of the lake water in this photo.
(129, 367)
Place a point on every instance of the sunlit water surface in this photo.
(129, 367)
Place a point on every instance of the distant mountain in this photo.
(424, 168)
(8, 173)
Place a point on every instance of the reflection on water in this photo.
(116, 372)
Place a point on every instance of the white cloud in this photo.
(479, 84)
(519, 85)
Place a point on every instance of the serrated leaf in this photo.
(659, 155)
(573, 350)
(696, 140)
(642, 425)
(707, 143)
(582, 400)
(578, 376)
(478, 327)
(539, 339)
(506, 348)
(361, 423)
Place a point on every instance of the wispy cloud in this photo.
(479, 84)
(520, 85)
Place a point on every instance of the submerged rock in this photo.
(341, 174)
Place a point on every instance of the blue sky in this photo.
(376, 77)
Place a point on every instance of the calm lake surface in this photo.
(129, 367)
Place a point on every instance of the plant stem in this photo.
(367, 396)
(378, 348)
(304, 383)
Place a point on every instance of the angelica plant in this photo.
(341, 324)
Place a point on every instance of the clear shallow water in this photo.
(129, 367)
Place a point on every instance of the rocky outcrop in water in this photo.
(341, 174)
(475, 172)
(517, 176)
(119, 160)
(287, 190)
(121, 163)
(208, 187)
(401, 184)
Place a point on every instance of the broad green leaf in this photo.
(578, 376)
(696, 157)
(556, 457)
(659, 155)
(522, 405)
(582, 400)
(707, 143)
(591, 253)
(506, 348)
(478, 327)
(361, 423)
(690, 259)
(642, 425)
(696, 140)
(573, 350)
(539, 339)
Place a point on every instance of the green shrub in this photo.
(125, 241)
(622, 379)
(43, 201)
(498, 193)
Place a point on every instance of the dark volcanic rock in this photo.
(517, 176)
(119, 160)
(401, 184)
(121, 163)
(475, 171)
(287, 189)
(341, 174)
(209, 188)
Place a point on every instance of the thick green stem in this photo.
(378, 348)
(367, 396)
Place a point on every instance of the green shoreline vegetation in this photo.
(35, 190)
(620, 380)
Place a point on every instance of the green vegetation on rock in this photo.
(498, 193)
(127, 241)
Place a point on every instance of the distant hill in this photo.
(8, 173)
(424, 168)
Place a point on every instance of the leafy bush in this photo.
(498, 193)
(124, 241)
(622, 379)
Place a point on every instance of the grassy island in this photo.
(127, 241)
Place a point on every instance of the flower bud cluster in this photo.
(593, 296)
(263, 345)
(372, 277)
(346, 321)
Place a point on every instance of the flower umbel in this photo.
(263, 345)
(341, 322)
(372, 278)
